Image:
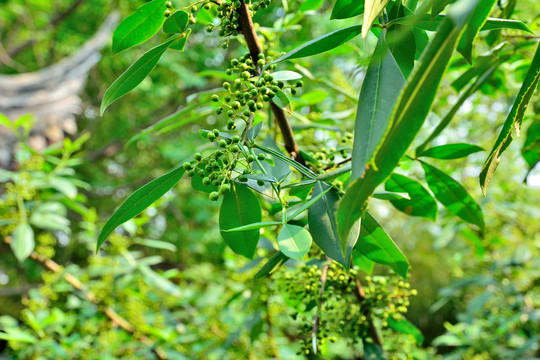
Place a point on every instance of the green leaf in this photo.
(295, 164)
(4, 120)
(17, 335)
(421, 202)
(240, 207)
(158, 281)
(139, 26)
(498, 24)
(22, 241)
(452, 195)
(362, 262)
(372, 10)
(323, 228)
(531, 147)
(257, 225)
(377, 246)
(408, 117)
(180, 44)
(294, 241)
(272, 265)
(451, 151)
(345, 9)
(513, 121)
(286, 75)
(378, 96)
(135, 74)
(406, 327)
(426, 22)
(311, 5)
(176, 23)
(479, 18)
(281, 99)
(139, 201)
(321, 44)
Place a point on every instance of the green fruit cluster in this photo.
(232, 161)
(342, 315)
(170, 9)
(249, 90)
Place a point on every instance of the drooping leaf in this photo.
(139, 201)
(344, 9)
(426, 22)
(372, 10)
(240, 207)
(451, 151)
(140, 26)
(294, 241)
(176, 23)
(378, 96)
(409, 115)
(135, 74)
(513, 121)
(377, 246)
(406, 327)
(479, 18)
(453, 196)
(323, 228)
(421, 203)
(531, 147)
(272, 265)
(321, 44)
(22, 241)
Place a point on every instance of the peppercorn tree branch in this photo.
(248, 30)
(361, 296)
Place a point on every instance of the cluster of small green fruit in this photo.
(170, 8)
(249, 90)
(229, 15)
(341, 311)
(218, 168)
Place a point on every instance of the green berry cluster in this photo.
(170, 9)
(248, 92)
(229, 15)
(232, 161)
(342, 314)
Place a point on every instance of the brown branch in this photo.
(361, 296)
(248, 30)
(115, 318)
(54, 22)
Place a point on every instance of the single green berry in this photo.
(191, 173)
(187, 166)
(299, 83)
(236, 139)
(260, 182)
(261, 156)
(236, 105)
(234, 148)
(225, 188)
(193, 8)
(222, 143)
(198, 156)
(251, 158)
(211, 137)
(242, 178)
(167, 13)
(216, 132)
(168, 4)
(214, 196)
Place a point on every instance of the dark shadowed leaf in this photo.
(240, 207)
(176, 23)
(479, 18)
(420, 202)
(344, 9)
(272, 265)
(406, 327)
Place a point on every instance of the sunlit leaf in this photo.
(294, 241)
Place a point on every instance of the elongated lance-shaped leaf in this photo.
(531, 147)
(377, 246)
(240, 207)
(272, 265)
(323, 227)
(451, 151)
(454, 196)
(295, 164)
(421, 203)
(426, 22)
(380, 92)
(139, 201)
(321, 44)
(513, 121)
(344, 9)
(479, 18)
(445, 121)
(135, 74)
(372, 10)
(409, 115)
(307, 205)
(140, 26)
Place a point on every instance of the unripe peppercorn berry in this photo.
(187, 166)
(214, 196)
(168, 4)
(261, 156)
(225, 188)
(198, 156)
(260, 182)
(222, 143)
(167, 13)
(215, 98)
